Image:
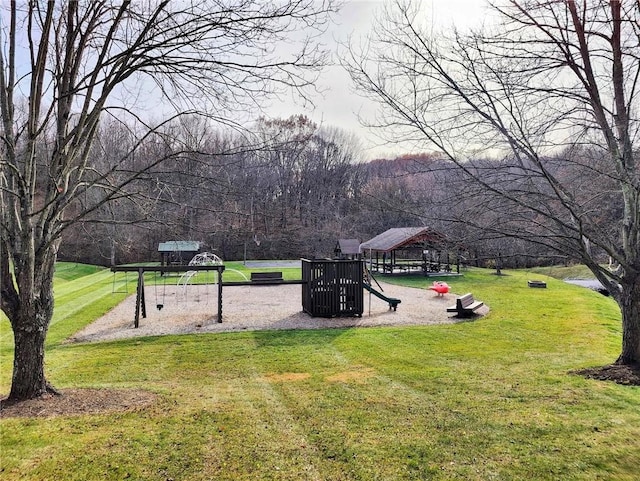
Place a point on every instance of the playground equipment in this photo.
(332, 288)
(116, 283)
(441, 288)
(141, 307)
(368, 277)
(393, 302)
(202, 259)
(159, 302)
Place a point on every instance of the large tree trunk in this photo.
(30, 323)
(630, 306)
(28, 380)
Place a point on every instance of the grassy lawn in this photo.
(490, 399)
(577, 271)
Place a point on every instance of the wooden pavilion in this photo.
(411, 249)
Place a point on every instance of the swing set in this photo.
(141, 305)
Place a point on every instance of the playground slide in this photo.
(393, 302)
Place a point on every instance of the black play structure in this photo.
(332, 288)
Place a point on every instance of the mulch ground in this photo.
(627, 375)
(73, 402)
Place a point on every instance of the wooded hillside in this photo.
(290, 191)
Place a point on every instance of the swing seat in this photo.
(160, 296)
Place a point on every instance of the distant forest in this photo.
(290, 189)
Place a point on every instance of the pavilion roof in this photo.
(401, 237)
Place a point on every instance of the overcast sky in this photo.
(340, 105)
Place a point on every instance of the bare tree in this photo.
(545, 83)
(299, 185)
(66, 65)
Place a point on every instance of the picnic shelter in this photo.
(411, 249)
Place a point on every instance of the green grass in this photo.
(577, 271)
(490, 399)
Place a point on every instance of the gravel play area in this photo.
(259, 308)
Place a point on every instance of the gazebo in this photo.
(177, 253)
(411, 249)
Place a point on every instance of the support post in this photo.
(220, 295)
(140, 299)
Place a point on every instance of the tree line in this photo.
(292, 188)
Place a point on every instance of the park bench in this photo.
(465, 305)
(266, 277)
